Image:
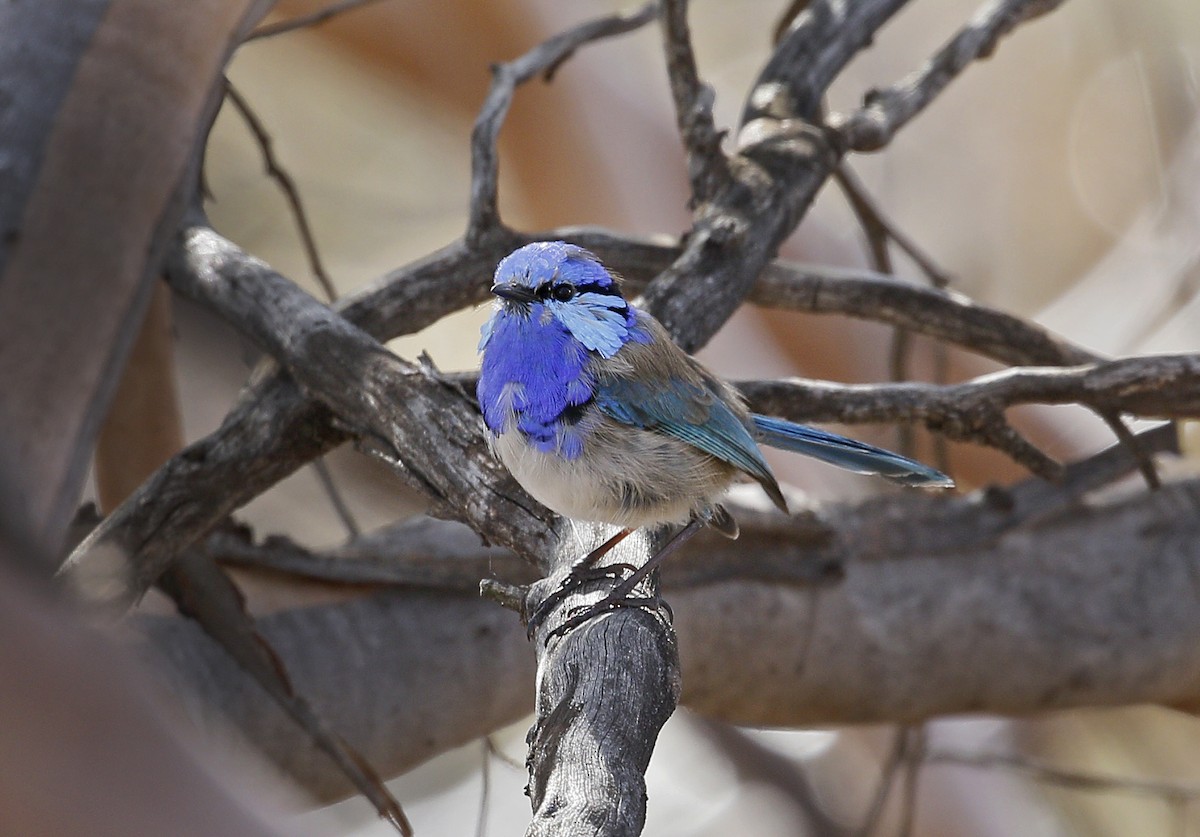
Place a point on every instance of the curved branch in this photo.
(886, 111)
(708, 170)
(941, 314)
(1154, 386)
(484, 218)
(782, 160)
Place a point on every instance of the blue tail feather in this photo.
(847, 453)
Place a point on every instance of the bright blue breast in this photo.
(535, 374)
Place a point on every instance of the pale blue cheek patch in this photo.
(591, 322)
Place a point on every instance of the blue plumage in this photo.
(846, 453)
(601, 417)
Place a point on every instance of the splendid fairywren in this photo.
(601, 417)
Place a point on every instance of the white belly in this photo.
(641, 479)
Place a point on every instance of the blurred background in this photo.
(1059, 180)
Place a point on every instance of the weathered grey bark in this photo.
(604, 690)
(450, 668)
(1002, 602)
(782, 160)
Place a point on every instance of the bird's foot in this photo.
(579, 575)
(606, 605)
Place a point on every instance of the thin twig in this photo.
(544, 58)
(870, 212)
(914, 759)
(287, 185)
(1125, 436)
(888, 771)
(270, 30)
(758, 764)
(502, 756)
(886, 111)
(708, 168)
(334, 495)
(879, 230)
(876, 235)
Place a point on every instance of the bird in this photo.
(601, 417)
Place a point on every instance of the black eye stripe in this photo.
(563, 291)
(597, 288)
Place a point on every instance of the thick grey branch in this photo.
(604, 690)
(404, 409)
(1006, 601)
(781, 162)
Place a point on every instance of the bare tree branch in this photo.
(1154, 386)
(394, 405)
(270, 30)
(708, 170)
(782, 160)
(287, 185)
(426, 554)
(484, 219)
(1001, 602)
(336, 500)
(596, 722)
(873, 216)
(876, 232)
(204, 593)
(884, 112)
(941, 314)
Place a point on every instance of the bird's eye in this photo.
(562, 292)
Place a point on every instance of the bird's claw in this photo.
(576, 578)
(606, 605)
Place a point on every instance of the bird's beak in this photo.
(513, 291)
